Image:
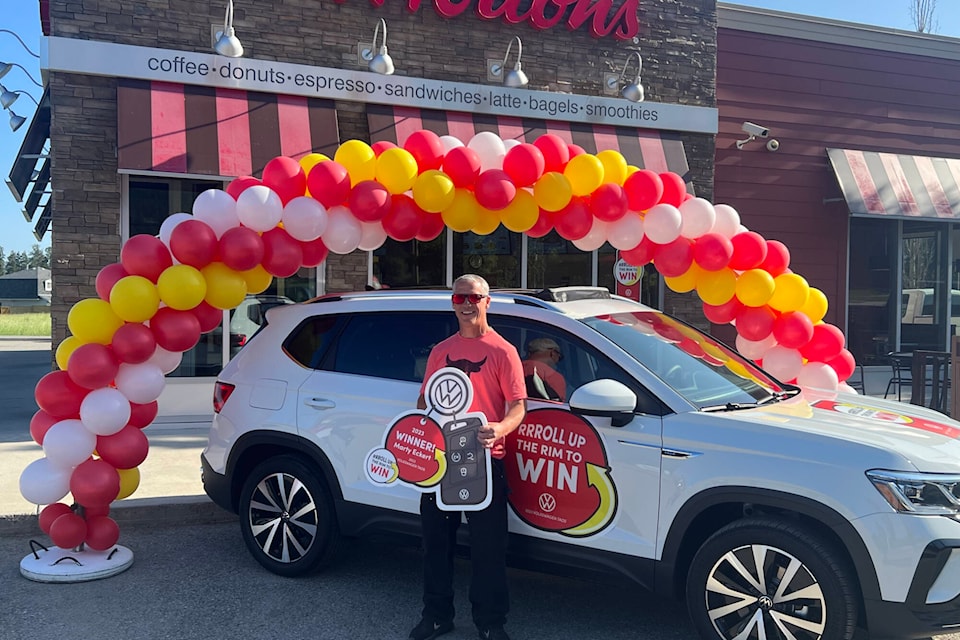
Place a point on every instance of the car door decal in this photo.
(874, 413)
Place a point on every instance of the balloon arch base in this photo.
(70, 565)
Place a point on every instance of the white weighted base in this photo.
(56, 565)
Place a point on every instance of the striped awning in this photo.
(176, 128)
(658, 151)
(903, 186)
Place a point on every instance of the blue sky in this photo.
(16, 234)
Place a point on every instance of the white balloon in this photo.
(755, 349)
(662, 223)
(218, 209)
(259, 208)
(594, 238)
(510, 144)
(450, 142)
(489, 148)
(697, 218)
(816, 376)
(304, 218)
(105, 411)
(627, 232)
(727, 220)
(372, 236)
(68, 443)
(343, 231)
(140, 383)
(165, 360)
(44, 483)
(843, 387)
(168, 225)
(782, 363)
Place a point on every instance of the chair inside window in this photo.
(857, 381)
(902, 375)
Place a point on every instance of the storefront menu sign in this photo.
(208, 69)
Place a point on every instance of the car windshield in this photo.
(708, 374)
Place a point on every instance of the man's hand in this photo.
(488, 434)
(493, 431)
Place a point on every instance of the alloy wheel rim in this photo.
(283, 517)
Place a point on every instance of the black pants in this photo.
(488, 549)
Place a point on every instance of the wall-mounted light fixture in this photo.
(377, 60)
(632, 91)
(497, 70)
(7, 97)
(228, 44)
(15, 121)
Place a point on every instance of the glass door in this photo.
(924, 299)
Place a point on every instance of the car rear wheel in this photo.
(770, 580)
(287, 517)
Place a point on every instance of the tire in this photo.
(806, 588)
(287, 517)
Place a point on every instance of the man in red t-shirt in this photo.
(540, 370)
(496, 376)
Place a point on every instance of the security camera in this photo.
(755, 130)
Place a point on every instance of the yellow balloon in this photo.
(463, 213)
(755, 287)
(93, 320)
(614, 166)
(631, 169)
(487, 221)
(226, 288)
(134, 299)
(790, 292)
(257, 279)
(311, 160)
(181, 287)
(129, 481)
(585, 173)
(522, 213)
(717, 287)
(552, 191)
(686, 281)
(65, 349)
(358, 159)
(816, 305)
(433, 191)
(396, 170)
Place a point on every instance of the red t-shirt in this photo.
(493, 366)
(548, 374)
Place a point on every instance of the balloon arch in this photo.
(166, 290)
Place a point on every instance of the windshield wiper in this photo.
(730, 406)
(777, 396)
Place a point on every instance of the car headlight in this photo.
(935, 494)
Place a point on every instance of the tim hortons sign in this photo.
(601, 15)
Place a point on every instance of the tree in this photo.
(922, 13)
(16, 261)
(3, 261)
(36, 257)
(47, 252)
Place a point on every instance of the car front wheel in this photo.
(770, 580)
(287, 517)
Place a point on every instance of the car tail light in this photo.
(221, 391)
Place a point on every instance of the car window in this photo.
(392, 345)
(310, 341)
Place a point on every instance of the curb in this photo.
(154, 512)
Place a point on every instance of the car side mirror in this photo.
(606, 399)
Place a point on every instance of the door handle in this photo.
(320, 403)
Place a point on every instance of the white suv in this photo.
(675, 462)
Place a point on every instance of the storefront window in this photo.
(924, 304)
(411, 264)
(873, 304)
(555, 262)
(496, 257)
(649, 280)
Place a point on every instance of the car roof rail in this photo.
(546, 298)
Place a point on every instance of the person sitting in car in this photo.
(540, 370)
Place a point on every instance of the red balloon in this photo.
(95, 512)
(94, 482)
(146, 256)
(314, 252)
(282, 255)
(431, 226)
(194, 243)
(494, 189)
(843, 363)
(208, 316)
(133, 343)
(555, 152)
(92, 366)
(102, 533)
(426, 148)
(240, 248)
(793, 329)
(641, 254)
(608, 202)
(542, 226)
(50, 513)
(712, 251)
(402, 222)
(825, 345)
(675, 258)
(381, 146)
(58, 395)
(125, 449)
(644, 188)
(462, 165)
(141, 415)
(674, 189)
(69, 530)
(329, 183)
(574, 220)
(40, 423)
(575, 150)
(286, 177)
(755, 323)
(723, 313)
(369, 201)
(174, 330)
(749, 251)
(778, 258)
(108, 277)
(524, 163)
(241, 184)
